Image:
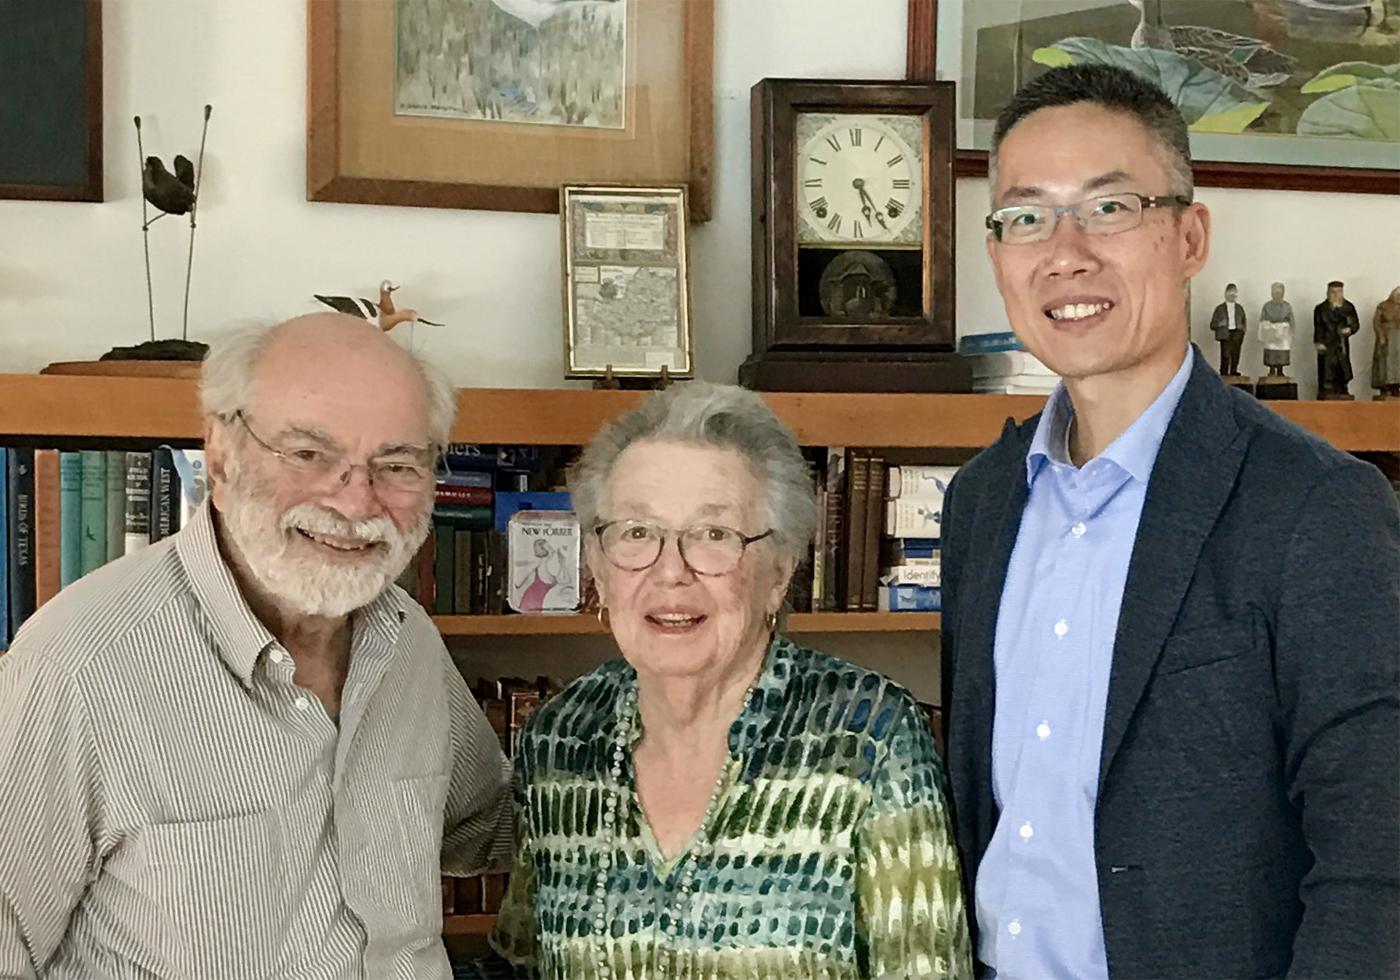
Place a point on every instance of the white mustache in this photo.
(318, 520)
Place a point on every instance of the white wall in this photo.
(71, 282)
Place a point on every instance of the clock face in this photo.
(858, 179)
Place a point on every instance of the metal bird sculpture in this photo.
(176, 193)
(171, 193)
(382, 313)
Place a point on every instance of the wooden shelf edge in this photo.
(580, 625)
(58, 406)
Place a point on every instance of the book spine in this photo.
(874, 501)
(93, 547)
(447, 493)
(480, 571)
(442, 569)
(116, 504)
(21, 521)
(462, 581)
(48, 526)
(466, 478)
(189, 466)
(920, 481)
(4, 549)
(819, 553)
(463, 515)
(857, 490)
(165, 494)
(910, 598)
(913, 517)
(927, 575)
(137, 510)
(70, 491)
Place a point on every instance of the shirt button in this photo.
(1027, 831)
(301, 703)
(1014, 927)
(1061, 628)
(1077, 529)
(276, 656)
(1043, 730)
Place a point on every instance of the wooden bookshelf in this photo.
(58, 406)
(824, 622)
(467, 925)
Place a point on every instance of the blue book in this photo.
(507, 503)
(910, 598)
(986, 343)
(70, 519)
(4, 551)
(92, 548)
(20, 477)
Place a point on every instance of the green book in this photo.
(116, 504)
(70, 519)
(93, 520)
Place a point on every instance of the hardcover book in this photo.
(48, 526)
(21, 521)
(136, 513)
(93, 524)
(70, 505)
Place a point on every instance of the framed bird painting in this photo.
(496, 104)
(1283, 94)
(51, 100)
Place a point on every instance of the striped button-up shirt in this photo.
(1037, 895)
(173, 805)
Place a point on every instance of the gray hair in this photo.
(226, 380)
(1108, 87)
(724, 416)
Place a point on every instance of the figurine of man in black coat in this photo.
(1334, 320)
(1228, 325)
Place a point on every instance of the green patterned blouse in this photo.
(826, 854)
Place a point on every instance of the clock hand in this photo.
(869, 206)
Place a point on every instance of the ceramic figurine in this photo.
(1385, 360)
(1276, 334)
(1334, 321)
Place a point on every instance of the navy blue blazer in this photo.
(1248, 819)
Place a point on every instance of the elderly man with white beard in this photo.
(243, 752)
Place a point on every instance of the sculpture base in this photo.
(1238, 381)
(1335, 396)
(1276, 388)
(857, 371)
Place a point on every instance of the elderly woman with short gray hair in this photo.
(720, 802)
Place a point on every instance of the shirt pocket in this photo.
(220, 894)
(416, 890)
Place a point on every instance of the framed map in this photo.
(626, 290)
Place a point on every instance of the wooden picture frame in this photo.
(922, 65)
(626, 282)
(362, 146)
(51, 101)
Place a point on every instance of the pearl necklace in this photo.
(613, 803)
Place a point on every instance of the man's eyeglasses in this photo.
(706, 549)
(1026, 224)
(406, 472)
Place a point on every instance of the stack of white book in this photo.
(1011, 372)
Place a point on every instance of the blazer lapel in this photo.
(974, 697)
(1191, 481)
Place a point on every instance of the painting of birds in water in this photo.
(1294, 69)
(546, 62)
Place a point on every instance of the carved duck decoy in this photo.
(383, 312)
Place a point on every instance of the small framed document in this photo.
(626, 287)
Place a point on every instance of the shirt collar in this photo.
(1135, 449)
(239, 635)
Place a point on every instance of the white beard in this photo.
(309, 585)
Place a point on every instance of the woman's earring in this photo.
(771, 621)
(603, 619)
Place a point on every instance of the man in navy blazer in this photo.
(1171, 627)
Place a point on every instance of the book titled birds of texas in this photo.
(547, 62)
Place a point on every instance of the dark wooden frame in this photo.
(921, 50)
(325, 182)
(775, 104)
(90, 189)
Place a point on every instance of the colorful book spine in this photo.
(21, 521)
(137, 511)
(870, 561)
(93, 547)
(914, 517)
(462, 515)
(928, 575)
(116, 504)
(451, 493)
(48, 526)
(70, 505)
(189, 465)
(857, 490)
(982, 343)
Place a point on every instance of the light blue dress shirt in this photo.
(1037, 886)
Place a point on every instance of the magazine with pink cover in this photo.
(544, 558)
